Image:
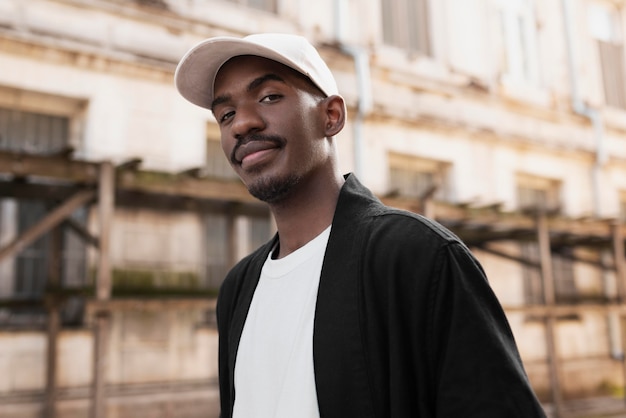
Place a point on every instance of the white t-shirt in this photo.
(274, 376)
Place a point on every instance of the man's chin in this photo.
(273, 190)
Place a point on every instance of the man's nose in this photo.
(247, 120)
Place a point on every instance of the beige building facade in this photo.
(505, 120)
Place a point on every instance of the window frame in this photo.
(528, 184)
(36, 102)
(216, 164)
(622, 207)
(531, 187)
(517, 25)
(439, 170)
(46, 107)
(269, 6)
(608, 37)
(400, 35)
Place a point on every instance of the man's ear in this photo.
(335, 108)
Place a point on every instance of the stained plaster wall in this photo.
(422, 106)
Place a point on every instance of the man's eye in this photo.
(226, 116)
(270, 98)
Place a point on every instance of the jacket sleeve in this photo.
(223, 316)
(478, 370)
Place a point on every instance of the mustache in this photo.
(278, 140)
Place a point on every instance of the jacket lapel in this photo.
(338, 353)
(242, 306)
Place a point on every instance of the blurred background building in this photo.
(505, 120)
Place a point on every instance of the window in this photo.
(39, 124)
(565, 290)
(33, 133)
(259, 232)
(217, 164)
(32, 264)
(41, 134)
(216, 254)
(519, 61)
(266, 5)
(538, 193)
(405, 25)
(416, 177)
(251, 233)
(533, 290)
(75, 273)
(605, 27)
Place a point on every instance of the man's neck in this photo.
(306, 214)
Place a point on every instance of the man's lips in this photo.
(251, 148)
(247, 149)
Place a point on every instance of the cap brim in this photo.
(195, 74)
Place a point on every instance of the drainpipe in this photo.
(360, 56)
(582, 109)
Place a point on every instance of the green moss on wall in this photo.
(154, 282)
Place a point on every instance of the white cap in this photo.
(196, 71)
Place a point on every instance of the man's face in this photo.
(272, 125)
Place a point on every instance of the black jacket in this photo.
(406, 324)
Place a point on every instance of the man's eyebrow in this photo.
(218, 101)
(264, 78)
(253, 85)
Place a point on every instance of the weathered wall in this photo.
(161, 364)
(109, 65)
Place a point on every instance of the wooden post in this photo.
(54, 320)
(54, 324)
(55, 261)
(620, 261)
(620, 277)
(102, 322)
(233, 239)
(428, 208)
(106, 206)
(427, 204)
(545, 254)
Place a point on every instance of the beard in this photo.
(274, 189)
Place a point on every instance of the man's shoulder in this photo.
(359, 208)
(399, 223)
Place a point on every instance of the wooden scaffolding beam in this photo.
(53, 307)
(102, 321)
(620, 278)
(545, 254)
(53, 219)
(49, 223)
(126, 185)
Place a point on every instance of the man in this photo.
(354, 309)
